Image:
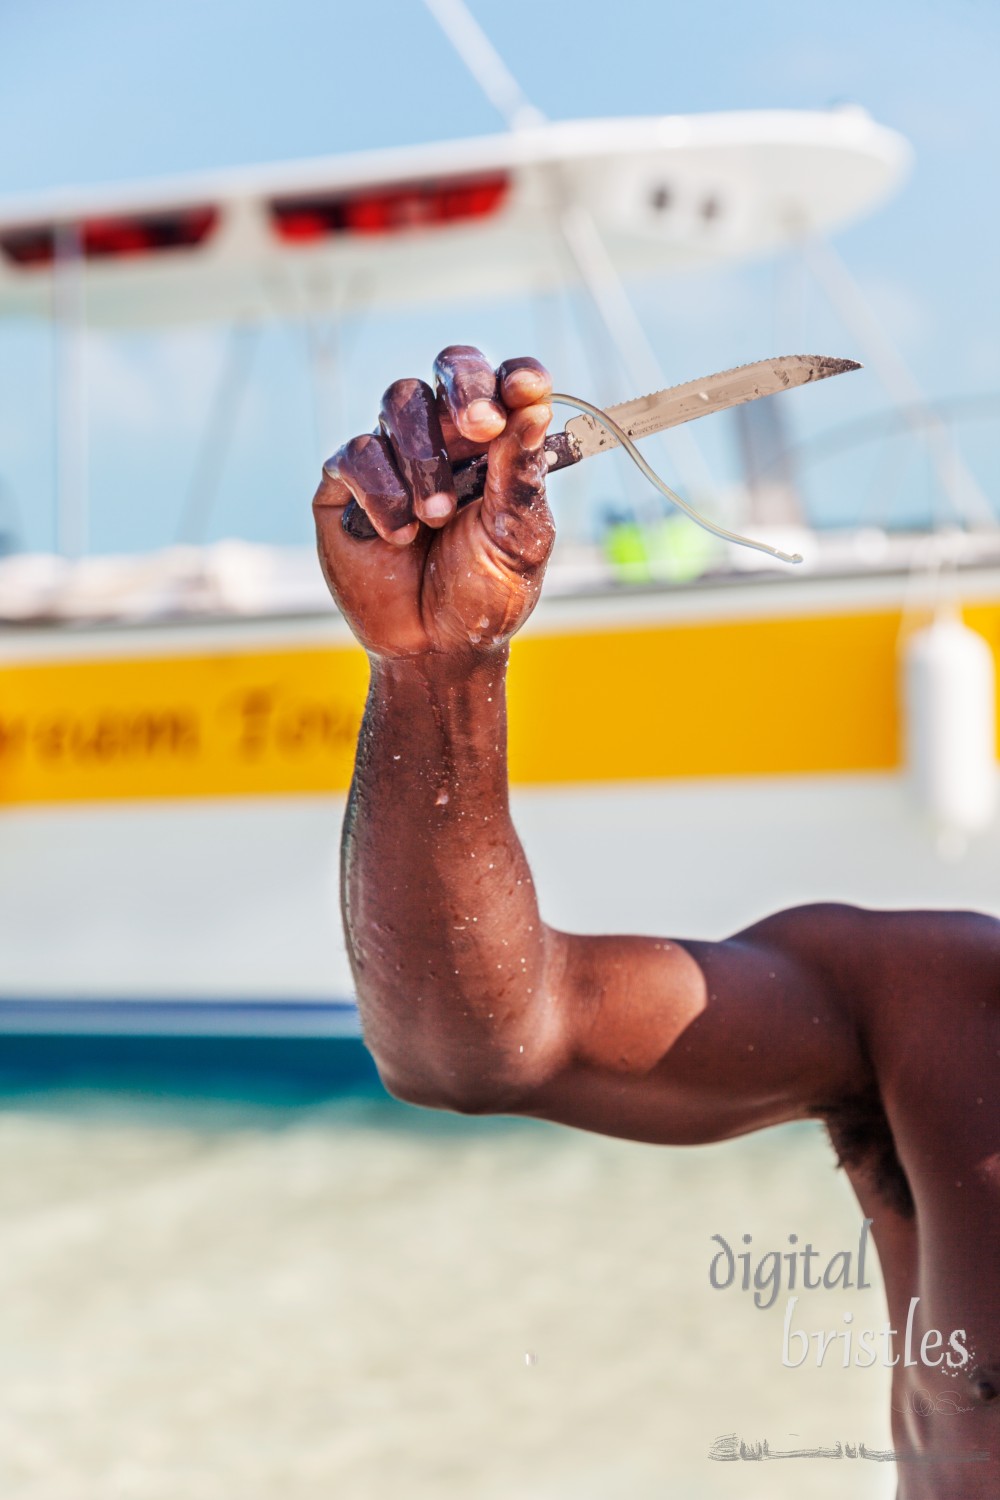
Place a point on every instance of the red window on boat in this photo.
(108, 238)
(389, 210)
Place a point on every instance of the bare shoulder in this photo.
(969, 939)
(916, 982)
(933, 980)
(866, 953)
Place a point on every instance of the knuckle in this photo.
(408, 416)
(334, 464)
(401, 391)
(458, 351)
(528, 469)
(353, 451)
(537, 550)
(464, 373)
(524, 539)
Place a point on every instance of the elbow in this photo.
(457, 1100)
(462, 1093)
(478, 1085)
(475, 1068)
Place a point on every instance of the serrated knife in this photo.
(583, 436)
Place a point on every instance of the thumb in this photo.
(514, 512)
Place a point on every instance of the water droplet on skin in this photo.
(520, 1049)
(397, 757)
(484, 623)
(441, 800)
(474, 638)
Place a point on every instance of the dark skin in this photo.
(884, 1024)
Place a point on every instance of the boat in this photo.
(696, 740)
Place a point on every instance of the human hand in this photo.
(437, 579)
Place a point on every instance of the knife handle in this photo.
(470, 482)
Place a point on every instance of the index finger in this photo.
(467, 382)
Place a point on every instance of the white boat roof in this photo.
(447, 220)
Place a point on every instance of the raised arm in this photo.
(468, 999)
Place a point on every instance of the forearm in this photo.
(455, 970)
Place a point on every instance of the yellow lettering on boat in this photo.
(233, 724)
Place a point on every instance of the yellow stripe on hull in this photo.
(738, 698)
(799, 693)
(227, 725)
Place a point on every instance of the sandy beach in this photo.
(212, 1300)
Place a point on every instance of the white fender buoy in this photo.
(950, 727)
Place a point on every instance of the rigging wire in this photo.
(560, 398)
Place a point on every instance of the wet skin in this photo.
(885, 1024)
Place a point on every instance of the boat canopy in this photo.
(445, 221)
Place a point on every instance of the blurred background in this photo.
(230, 1261)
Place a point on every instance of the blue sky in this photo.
(103, 91)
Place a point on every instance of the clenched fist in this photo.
(435, 578)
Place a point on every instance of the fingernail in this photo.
(485, 414)
(524, 382)
(404, 535)
(436, 507)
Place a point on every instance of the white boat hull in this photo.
(224, 917)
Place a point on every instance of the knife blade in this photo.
(700, 398)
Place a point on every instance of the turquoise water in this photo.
(289, 1286)
(276, 1070)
